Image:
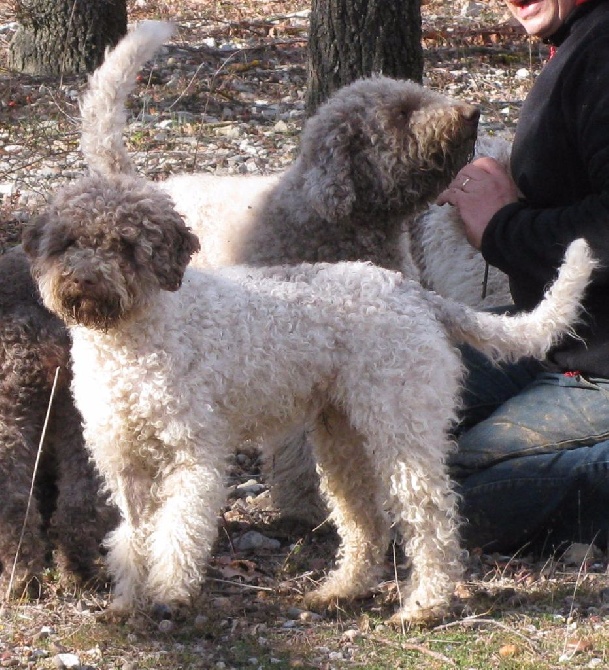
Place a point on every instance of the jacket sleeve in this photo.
(529, 242)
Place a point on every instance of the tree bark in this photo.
(57, 37)
(349, 39)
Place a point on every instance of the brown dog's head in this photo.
(103, 248)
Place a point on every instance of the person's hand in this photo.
(478, 191)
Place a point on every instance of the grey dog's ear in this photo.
(170, 258)
(327, 169)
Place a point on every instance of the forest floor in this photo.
(227, 96)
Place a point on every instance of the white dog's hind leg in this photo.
(355, 500)
(183, 530)
(424, 509)
(405, 422)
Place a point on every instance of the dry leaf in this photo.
(509, 650)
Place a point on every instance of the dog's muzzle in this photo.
(86, 300)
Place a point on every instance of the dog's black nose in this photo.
(82, 283)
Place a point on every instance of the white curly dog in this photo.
(174, 367)
(370, 158)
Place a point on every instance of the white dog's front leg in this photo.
(125, 565)
(183, 530)
(126, 551)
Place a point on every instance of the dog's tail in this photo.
(103, 106)
(503, 337)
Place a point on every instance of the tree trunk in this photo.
(349, 39)
(57, 37)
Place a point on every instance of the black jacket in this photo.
(560, 162)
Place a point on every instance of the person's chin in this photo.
(532, 16)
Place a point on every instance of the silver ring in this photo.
(465, 182)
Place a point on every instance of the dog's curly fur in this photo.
(370, 159)
(169, 380)
(442, 256)
(433, 249)
(67, 514)
(376, 152)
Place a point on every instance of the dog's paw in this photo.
(321, 601)
(410, 616)
(165, 612)
(122, 605)
(328, 597)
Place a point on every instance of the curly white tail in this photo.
(530, 333)
(102, 107)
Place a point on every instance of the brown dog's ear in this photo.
(32, 234)
(170, 260)
(328, 184)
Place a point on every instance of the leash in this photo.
(485, 281)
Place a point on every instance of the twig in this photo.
(397, 584)
(409, 646)
(240, 584)
(577, 583)
(476, 620)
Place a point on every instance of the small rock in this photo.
(577, 553)
(7, 27)
(249, 488)
(67, 662)
(166, 626)
(201, 621)
(471, 10)
(350, 635)
(232, 131)
(294, 612)
(253, 540)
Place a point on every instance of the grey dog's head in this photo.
(104, 247)
(384, 145)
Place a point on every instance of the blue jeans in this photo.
(532, 464)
